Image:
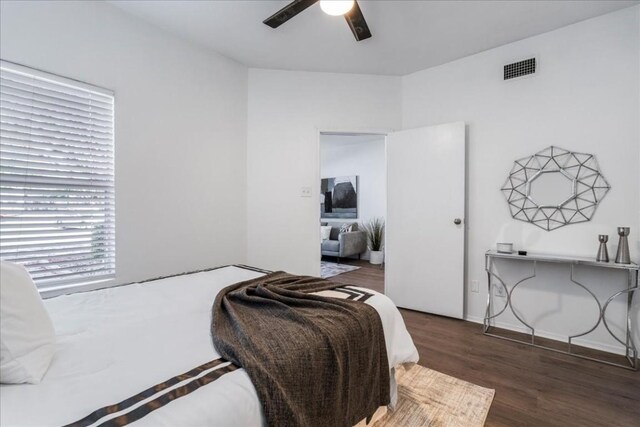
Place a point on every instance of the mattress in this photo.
(114, 343)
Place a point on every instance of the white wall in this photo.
(180, 129)
(346, 155)
(286, 112)
(584, 98)
(205, 176)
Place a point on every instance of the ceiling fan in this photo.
(349, 8)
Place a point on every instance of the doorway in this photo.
(353, 204)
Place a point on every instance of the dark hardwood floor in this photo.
(368, 276)
(534, 387)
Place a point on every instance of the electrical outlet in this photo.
(498, 290)
(305, 192)
(475, 286)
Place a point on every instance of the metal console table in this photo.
(632, 270)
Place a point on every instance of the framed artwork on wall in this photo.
(339, 197)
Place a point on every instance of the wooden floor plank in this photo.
(534, 387)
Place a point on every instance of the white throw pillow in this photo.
(346, 228)
(27, 337)
(325, 232)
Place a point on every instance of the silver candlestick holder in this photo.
(603, 253)
(623, 256)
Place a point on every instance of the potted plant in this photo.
(375, 238)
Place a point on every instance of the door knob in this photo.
(457, 221)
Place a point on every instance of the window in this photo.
(56, 177)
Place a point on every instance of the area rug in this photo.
(330, 269)
(429, 398)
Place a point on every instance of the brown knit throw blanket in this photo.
(314, 360)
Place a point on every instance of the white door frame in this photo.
(316, 186)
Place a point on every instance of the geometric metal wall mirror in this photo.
(555, 187)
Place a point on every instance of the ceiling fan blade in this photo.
(357, 23)
(288, 12)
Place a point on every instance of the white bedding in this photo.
(114, 343)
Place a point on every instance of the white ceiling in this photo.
(407, 35)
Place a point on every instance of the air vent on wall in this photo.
(520, 68)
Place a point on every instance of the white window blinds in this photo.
(56, 177)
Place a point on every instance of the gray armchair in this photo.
(342, 245)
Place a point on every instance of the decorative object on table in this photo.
(603, 253)
(505, 248)
(623, 256)
(375, 236)
(555, 187)
(330, 269)
(339, 197)
(523, 253)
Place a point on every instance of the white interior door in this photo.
(425, 200)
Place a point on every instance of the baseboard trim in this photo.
(615, 349)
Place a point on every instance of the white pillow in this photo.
(346, 228)
(27, 337)
(325, 232)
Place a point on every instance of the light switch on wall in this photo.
(305, 192)
(475, 286)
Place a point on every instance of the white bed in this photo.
(114, 343)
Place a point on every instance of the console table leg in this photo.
(631, 352)
(487, 313)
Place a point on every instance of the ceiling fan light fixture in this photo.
(336, 7)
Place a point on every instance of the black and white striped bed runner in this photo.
(136, 407)
(159, 395)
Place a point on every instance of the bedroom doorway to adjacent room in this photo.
(414, 182)
(353, 204)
